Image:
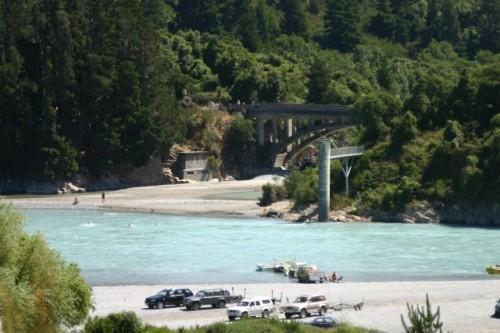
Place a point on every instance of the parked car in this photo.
(304, 306)
(251, 307)
(167, 297)
(324, 322)
(217, 298)
(497, 310)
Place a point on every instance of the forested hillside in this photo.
(86, 85)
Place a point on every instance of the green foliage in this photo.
(404, 130)
(320, 77)
(294, 21)
(302, 186)
(423, 320)
(343, 24)
(39, 292)
(125, 322)
(92, 87)
(117, 323)
(239, 141)
(272, 193)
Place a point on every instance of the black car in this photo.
(324, 322)
(217, 298)
(168, 297)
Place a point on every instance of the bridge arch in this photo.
(304, 125)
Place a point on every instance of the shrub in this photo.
(39, 291)
(302, 186)
(422, 320)
(272, 193)
(125, 322)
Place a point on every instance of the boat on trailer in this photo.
(493, 269)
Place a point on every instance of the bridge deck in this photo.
(292, 109)
(338, 153)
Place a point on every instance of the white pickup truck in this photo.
(251, 307)
(304, 306)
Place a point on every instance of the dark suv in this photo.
(217, 298)
(168, 297)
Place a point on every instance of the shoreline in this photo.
(240, 199)
(465, 306)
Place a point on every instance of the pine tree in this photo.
(294, 21)
(384, 23)
(450, 24)
(247, 25)
(343, 30)
(319, 78)
(490, 25)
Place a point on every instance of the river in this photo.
(114, 248)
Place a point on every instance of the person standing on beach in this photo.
(103, 197)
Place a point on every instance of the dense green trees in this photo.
(39, 292)
(87, 86)
(343, 24)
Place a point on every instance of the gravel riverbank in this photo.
(466, 306)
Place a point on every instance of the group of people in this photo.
(103, 199)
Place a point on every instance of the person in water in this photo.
(75, 202)
(103, 197)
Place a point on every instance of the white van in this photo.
(252, 307)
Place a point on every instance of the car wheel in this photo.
(161, 305)
(231, 318)
(244, 315)
(150, 306)
(196, 306)
(322, 311)
(188, 307)
(265, 314)
(303, 313)
(221, 304)
(288, 315)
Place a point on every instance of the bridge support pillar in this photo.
(275, 131)
(289, 133)
(260, 131)
(324, 180)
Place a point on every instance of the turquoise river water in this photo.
(122, 248)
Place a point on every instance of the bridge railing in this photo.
(347, 151)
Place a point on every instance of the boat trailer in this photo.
(348, 306)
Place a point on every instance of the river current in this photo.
(124, 248)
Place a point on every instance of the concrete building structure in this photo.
(194, 165)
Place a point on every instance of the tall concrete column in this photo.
(324, 180)
(260, 130)
(275, 130)
(289, 133)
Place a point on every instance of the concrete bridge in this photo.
(291, 128)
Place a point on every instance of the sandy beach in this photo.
(229, 198)
(466, 306)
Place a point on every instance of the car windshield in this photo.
(243, 303)
(200, 294)
(301, 299)
(163, 293)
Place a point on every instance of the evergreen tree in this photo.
(343, 24)
(268, 21)
(384, 23)
(490, 25)
(319, 79)
(294, 20)
(450, 24)
(247, 26)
